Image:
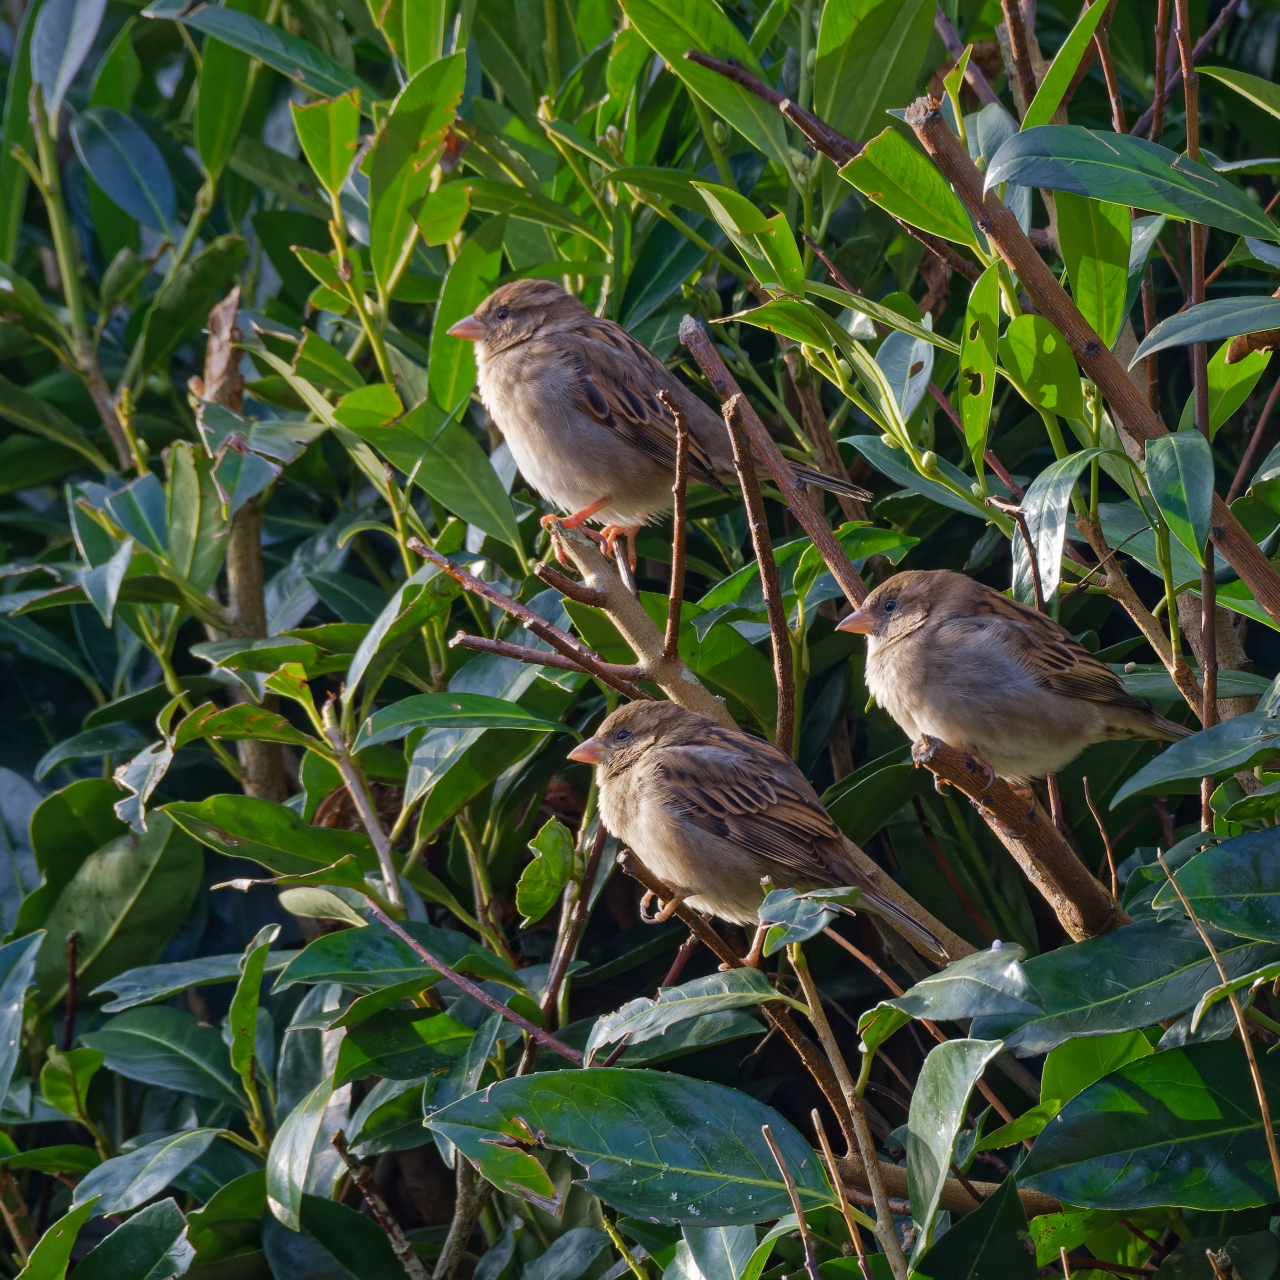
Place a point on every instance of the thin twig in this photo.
(585, 659)
(1021, 521)
(544, 1038)
(1163, 68)
(1246, 463)
(810, 1261)
(1225, 14)
(757, 520)
(505, 649)
(1209, 669)
(846, 1208)
(359, 794)
(472, 1195)
(1106, 841)
(885, 1232)
(680, 492)
(1263, 1106)
(955, 48)
(1018, 39)
(1103, 40)
(381, 1213)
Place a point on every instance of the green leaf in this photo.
(449, 711)
(1262, 93)
(160, 981)
(290, 55)
(243, 722)
(329, 133)
(443, 212)
(543, 879)
(452, 371)
(230, 1219)
(1229, 387)
(1210, 322)
(52, 1254)
(64, 34)
(222, 97)
(903, 181)
(299, 1140)
(896, 464)
(183, 304)
(1053, 88)
(978, 362)
(402, 159)
(644, 1019)
(158, 1045)
(1122, 169)
(1147, 972)
(673, 26)
(1028, 1125)
(17, 972)
(1233, 886)
(152, 1245)
(40, 418)
(17, 131)
(990, 983)
(1179, 469)
(401, 1044)
(242, 1017)
(1180, 1127)
(989, 1242)
(65, 1077)
(1253, 1254)
(126, 900)
(937, 1114)
(1095, 240)
(353, 1239)
(121, 158)
(130, 1180)
(797, 917)
(321, 362)
(1073, 1067)
(490, 195)
(1045, 506)
(271, 834)
(1035, 357)
(653, 1145)
(70, 1158)
(766, 243)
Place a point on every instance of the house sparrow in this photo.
(713, 810)
(575, 398)
(952, 659)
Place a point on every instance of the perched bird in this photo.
(713, 810)
(576, 399)
(952, 659)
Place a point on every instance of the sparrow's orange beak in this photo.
(469, 328)
(860, 622)
(589, 752)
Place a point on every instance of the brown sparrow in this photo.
(575, 397)
(713, 810)
(952, 659)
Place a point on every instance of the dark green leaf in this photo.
(400, 1044)
(1235, 886)
(986, 1243)
(1122, 169)
(352, 1238)
(17, 972)
(1253, 1255)
(990, 983)
(160, 981)
(797, 917)
(654, 1145)
(61, 1159)
(152, 1245)
(131, 1180)
(182, 306)
(1180, 1127)
(64, 34)
(1095, 239)
(1053, 88)
(128, 166)
(299, 1141)
(978, 361)
(449, 711)
(1179, 469)
(40, 418)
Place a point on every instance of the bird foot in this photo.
(612, 532)
(667, 910)
(578, 517)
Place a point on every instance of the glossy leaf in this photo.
(449, 711)
(64, 33)
(654, 1145)
(293, 1150)
(130, 1180)
(643, 1019)
(329, 133)
(978, 361)
(988, 1242)
(938, 1107)
(990, 983)
(543, 880)
(50, 1257)
(182, 305)
(401, 1044)
(242, 1017)
(1134, 977)
(1122, 169)
(1234, 744)
(1046, 505)
(17, 972)
(1053, 88)
(152, 1245)
(1210, 322)
(890, 172)
(1180, 1127)
(223, 96)
(1095, 240)
(1037, 360)
(797, 917)
(402, 160)
(127, 165)
(1262, 93)
(1073, 1067)
(167, 1047)
(290, 55)
(1229, 387)
(160, 981)
(1179, 469)
(1234, 886)
(352, 1238)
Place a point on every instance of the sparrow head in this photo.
(900, 605)
(624, 737)
(515, 312)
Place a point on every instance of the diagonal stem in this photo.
(680, 491)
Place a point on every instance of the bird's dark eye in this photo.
(623, 735)
(502, 313)
(890, 606)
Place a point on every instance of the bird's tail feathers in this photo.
(834, 484)
(882, 905)
(1170, 730)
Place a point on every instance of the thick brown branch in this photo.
(1016, 23)
(1082, 905)
(954, 1196)
(694, 336)
(1051, 300)
(771, 586)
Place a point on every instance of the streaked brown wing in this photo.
(754, 797)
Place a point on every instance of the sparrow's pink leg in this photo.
(573, 521)
(612, 532)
